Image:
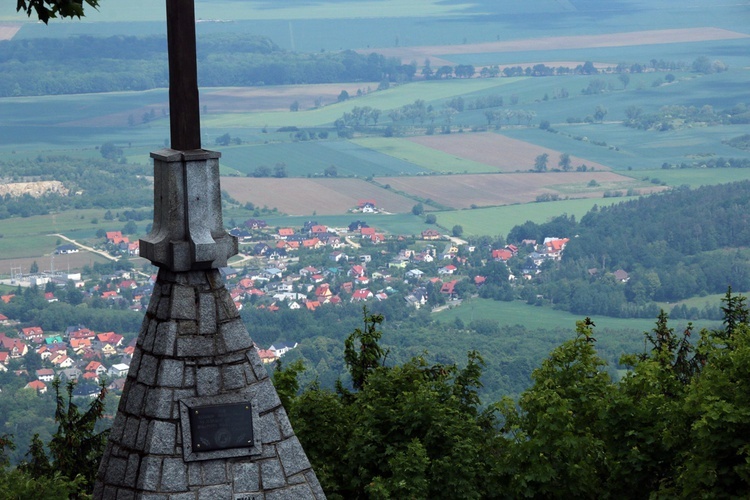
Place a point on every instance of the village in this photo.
(302, 268)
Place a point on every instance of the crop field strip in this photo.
(551, 43)
(300, 196)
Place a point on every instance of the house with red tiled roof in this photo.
(356, 271)
(15, 347)
(116, 237)
(7, 298)
(37, 385)
(554, 247)
(449, 269)
(312, 305)
(502, 254)
(50, 297)
(267, 356)
(361, 294)
(96, 367)
(4, 358)
(285, 232)
(318, 229)
(312, 243)
(430, 234)
(449, 288)
(45, 374)
(33, 334)
(366, 232)
(134, 247)
(110, 338)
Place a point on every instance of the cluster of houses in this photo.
(82, 355)
(78, 354)
(349, 275)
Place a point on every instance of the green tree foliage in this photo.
(362, 352)
(46, 9)
(540, 162)
(417, 209)
(675, 426)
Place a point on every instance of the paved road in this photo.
(90, 249)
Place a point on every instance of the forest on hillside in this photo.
(86, 64)
(676, 245)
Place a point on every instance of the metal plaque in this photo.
(221, 427)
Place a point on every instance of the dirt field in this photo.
(508, 155)
(277, 98)
(565, 42)
(305, 196)
(8, 31)
(239, 100)
(463, 191)
(73, 262)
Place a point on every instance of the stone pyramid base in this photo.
(194, 357)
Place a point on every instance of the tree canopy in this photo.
(47, 9)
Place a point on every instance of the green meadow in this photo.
(429, 159)
(534, 317)
(496, 221)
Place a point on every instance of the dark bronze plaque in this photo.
(221, 427)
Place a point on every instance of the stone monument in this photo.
(199, 417)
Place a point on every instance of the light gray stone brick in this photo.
(174, 475)
(131, 432)
(188, 495)
(131, 474)
(115, 473)
(135, 363)
(161, 438)
(271, 474)
(257, 364)
(250, 377)
(312, 481)
(166, 335)
(297, 492)
(226, 310)
(234, 376)
(195, 346)
(150, 474)
(183, 303)
(140, 441)
(147, 371)
(153, 302)
(194, 474)
(187, 327)
(246, 478)
(207, 308)
(215, 492)
(118, 426)
(159, 403)
(171, 372)
(235, 336)
(125, 495)
(285, 426)
(149, 334)
(214, 472)
(296, 479)
(292, 456)
(208, 381)
(269, 430)
(267, 397)
(136, 397)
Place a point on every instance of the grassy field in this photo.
(429, 159)
(312, 158)
(533, 317)
(385, 100)
(500, 220)
(25, 240)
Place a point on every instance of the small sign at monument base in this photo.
(215, 427)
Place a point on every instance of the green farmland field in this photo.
(427, 158)
(534, 317)
(313, 157)
(500, 220)
(385, 100)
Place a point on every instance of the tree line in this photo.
(656, 239)
(86, 64)
(674, 425)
